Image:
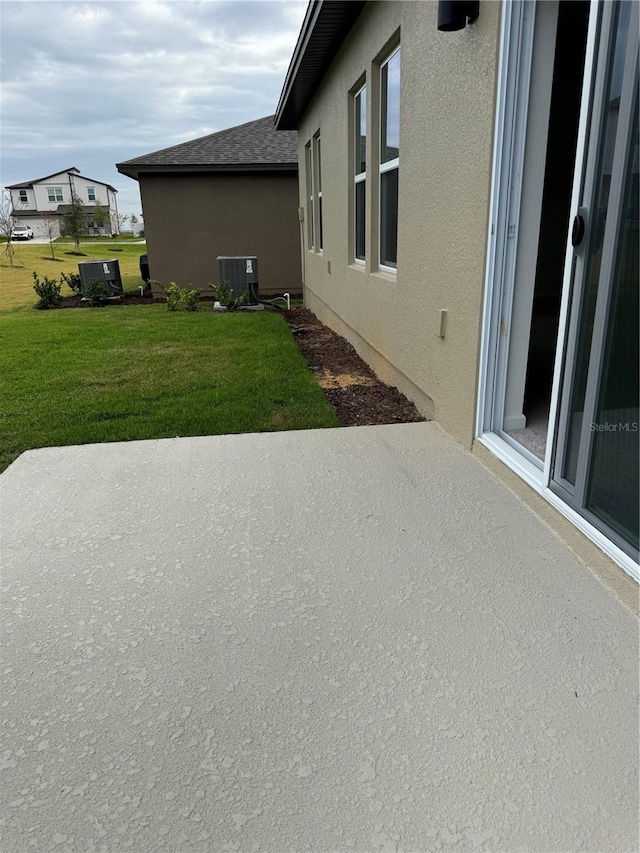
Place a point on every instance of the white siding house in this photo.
(44, 201)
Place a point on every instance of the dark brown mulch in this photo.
(127, 299)
(350, 385)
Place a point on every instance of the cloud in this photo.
(91, 84)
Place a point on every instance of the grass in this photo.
(118, 373)
(136, 372)
(16, 283)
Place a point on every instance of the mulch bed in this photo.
(128, 299)
(350, 385)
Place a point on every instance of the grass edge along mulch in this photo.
(141, 372)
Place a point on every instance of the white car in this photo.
(22, 232)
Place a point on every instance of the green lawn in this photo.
(76, 376)
(16, 283)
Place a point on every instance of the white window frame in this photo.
(308, 162)
(23, 199)
(389, 166)
(359, 177)
(56, 192)
(313, 180)
(91, 193)
(317, 181)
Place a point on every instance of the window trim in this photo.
(91, 190)
(56, 192)
(387, 166)
(23, 199)
(308, 162)
(313, 190)
(317, 182)
(359, 177)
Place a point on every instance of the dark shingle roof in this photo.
(74, 169)
(254, 146)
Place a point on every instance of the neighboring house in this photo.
(471, 226)
(232, 193)
(44, 201)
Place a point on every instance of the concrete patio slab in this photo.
(333, 640)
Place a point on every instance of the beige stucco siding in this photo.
(192, 219)
(448, 85)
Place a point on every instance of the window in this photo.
(54, 193)
(389, 159)
(23, 196)
(318, 186)
(91, 193)
(310, 199)
(313, 178)
(360, 172)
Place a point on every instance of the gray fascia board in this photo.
(184, 169)
(310, 20)
(318, 42)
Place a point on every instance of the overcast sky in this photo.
(90, 84)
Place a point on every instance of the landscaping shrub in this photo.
(180, 298)
(225, 296)
(191, 299)
(97, 293)
(73, 281)
(174, 296)
(48, 291)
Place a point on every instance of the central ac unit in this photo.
(242, 275)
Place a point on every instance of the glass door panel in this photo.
(596, 456)
(613, 479)
(598, 216)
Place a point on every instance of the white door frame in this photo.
(512, 96)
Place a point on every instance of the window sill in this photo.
(386, 275)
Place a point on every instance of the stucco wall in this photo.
(192, 219)
(446, 134)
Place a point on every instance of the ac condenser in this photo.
(242, 275)
(107, 272)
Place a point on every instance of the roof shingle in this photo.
(255, 145)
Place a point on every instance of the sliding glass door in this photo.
(559, 377)
(596, 462)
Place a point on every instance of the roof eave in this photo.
(136, 170)
(326, 25)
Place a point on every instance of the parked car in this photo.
(22, 232)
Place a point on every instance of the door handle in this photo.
(577, 232)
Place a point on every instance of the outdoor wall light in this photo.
(456, 14)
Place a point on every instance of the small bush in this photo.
(73, 281)
(174, 296)
(97, 293)
(181, 299)
(47, 290)
(225, 296)
(191, 299)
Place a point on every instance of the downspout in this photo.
(115, 202)
(72, 191)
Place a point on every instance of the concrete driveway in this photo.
(333, 640)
